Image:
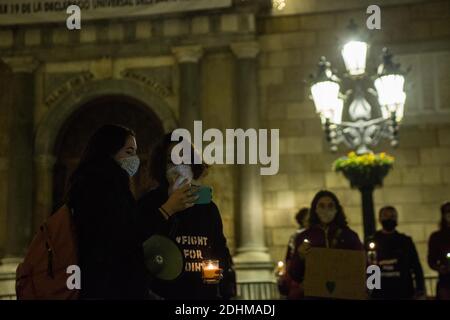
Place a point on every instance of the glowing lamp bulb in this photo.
(306, 240)
(372, 245)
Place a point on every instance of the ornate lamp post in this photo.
(370, 110)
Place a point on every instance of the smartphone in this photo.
(204, 195)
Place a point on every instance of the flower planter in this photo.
(367, 176)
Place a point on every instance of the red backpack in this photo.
(43, 273)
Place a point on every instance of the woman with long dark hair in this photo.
(439, 253)
(104, 213)
(195, 227)
(328, 228)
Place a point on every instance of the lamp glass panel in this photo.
(354, 54)
(385, 112)
(400, 112)
(334, 112)
(325, 94)
(390, 91)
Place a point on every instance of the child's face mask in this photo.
(176, 174)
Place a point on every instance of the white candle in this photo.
(209, 270)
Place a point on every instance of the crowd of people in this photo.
(112, 225)
(393, 252)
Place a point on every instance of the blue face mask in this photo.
(130, 164)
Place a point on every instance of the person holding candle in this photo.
(302, 220)
(196, 227)
(286, 285)
(396, 255)
(439, 253)
(328, 228)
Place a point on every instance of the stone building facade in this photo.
(244, 66)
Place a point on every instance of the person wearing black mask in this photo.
(396, 255)
(439, 253)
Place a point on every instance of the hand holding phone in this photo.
(204, 194)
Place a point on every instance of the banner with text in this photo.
(14, 12)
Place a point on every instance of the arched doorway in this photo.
(110, 109)
(51, 128)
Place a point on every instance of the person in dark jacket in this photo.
(196, 228)
(286, 285)
(302, 220)
(104, 212)
(328, 228)
(396, 255)
(439, 253)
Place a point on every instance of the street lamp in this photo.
(364, 129)
(371, 109)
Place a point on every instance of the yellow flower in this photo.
(352, 154)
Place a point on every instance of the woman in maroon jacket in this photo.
(328, 228)
(439, 253)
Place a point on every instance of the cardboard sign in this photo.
(335, 274)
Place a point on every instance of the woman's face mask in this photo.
(326, 210)
(326, 215)
(130, 164)
(126, 157)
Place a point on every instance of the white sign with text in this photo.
(14, 12)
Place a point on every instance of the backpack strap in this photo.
(49, 247)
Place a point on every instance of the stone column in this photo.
(5, 115)
(253, 262)
(43, 195)
(188, 58)
(20, 179)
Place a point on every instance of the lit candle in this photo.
(279, 271)
(372, 254)
(210, 271)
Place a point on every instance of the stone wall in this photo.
(420, 182)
